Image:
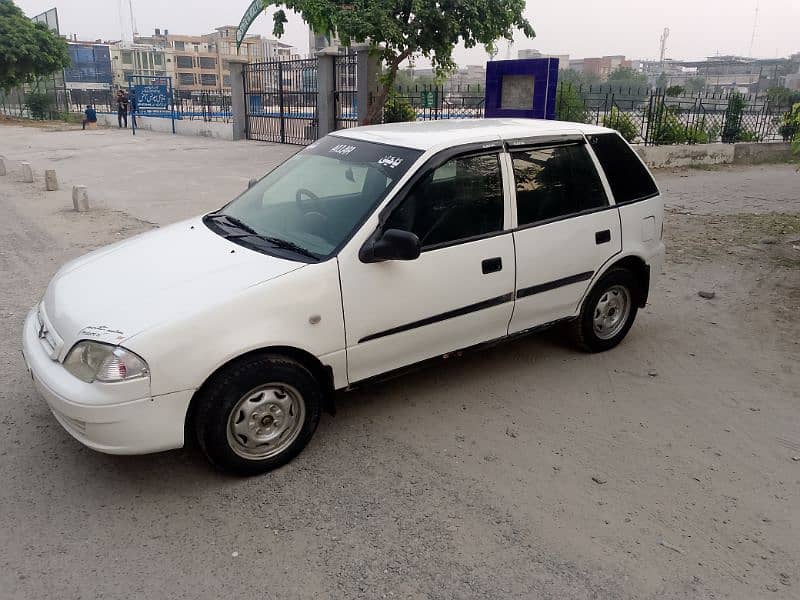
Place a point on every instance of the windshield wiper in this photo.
(250, 232)
(286, 244)
(233, 221)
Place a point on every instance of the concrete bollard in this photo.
(27, 172)
(2, 167)
(80, 198)
(50, 180)
(251, 183)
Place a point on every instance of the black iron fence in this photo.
(433, 102)
(281, 101)
(200, 106)
(653, 117)
(345, 73)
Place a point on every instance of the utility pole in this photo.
(663, 54)
(753, 37)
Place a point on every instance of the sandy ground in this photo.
(473, 479)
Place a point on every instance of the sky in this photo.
(698, 28)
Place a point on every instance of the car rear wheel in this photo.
(258, 414)
(608, 312)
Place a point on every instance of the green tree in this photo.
(662, 81)
(625, 77)
(399, 30)
(622, 122)
(570, 105)
(675, 90)
(695, 84)
(578, 78)
(27, 49)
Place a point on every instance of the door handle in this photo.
(492, 265)
(602, 237)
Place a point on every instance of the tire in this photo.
(616, 294)
(257, 414)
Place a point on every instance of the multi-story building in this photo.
(199, 63)
(563, 59)
(140, 59)
(601, 66)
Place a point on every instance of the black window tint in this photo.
(555, 182)
(461, 199)
(627, 176)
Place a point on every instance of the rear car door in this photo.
(457, 293)
(566, 229)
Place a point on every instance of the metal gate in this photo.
(281, 101)
(345, 81)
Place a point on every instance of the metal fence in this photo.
(281, 101)
(652, 117)
(345, 73)
(192, 106)
(433, 102)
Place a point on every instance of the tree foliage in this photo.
(400, 29)
(577, 78)
(694, 85)
(627, 77)
(27, 49)
(570, 105)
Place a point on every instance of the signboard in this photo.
(49, 18)
(428, 99)
(151, 96)
(250, 15)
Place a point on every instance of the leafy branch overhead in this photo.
(397, 30)
(27, 49)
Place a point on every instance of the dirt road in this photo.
(662, 469)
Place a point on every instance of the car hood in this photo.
(115, 292)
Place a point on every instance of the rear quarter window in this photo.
(628, 177)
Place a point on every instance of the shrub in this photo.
(570, 105)
(675, 90)
(622, 122)
(39, 103)
(398, 109)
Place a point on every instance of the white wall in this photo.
(199, 128)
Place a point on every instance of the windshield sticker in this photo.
(100, 331)
(390, 161)
(342, 149)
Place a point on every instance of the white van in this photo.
(372, 249)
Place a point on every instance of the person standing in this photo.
(122, 108)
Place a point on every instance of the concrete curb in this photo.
(745, 153)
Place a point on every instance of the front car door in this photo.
(566, 229)
(458, 293)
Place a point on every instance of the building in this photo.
(140, 59)
(90, 66)
(274, 50)
(199, 63)
(601, 66)
(563, 59)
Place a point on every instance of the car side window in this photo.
(627, 176)
(461, 199)
(555, 182)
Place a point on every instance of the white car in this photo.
(372, 249)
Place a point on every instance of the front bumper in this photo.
(105, 416)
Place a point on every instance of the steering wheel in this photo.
(315, 220)
(307, 205)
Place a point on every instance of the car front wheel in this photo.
(608, 312)
(258, 414)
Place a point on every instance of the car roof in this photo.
(425, 135)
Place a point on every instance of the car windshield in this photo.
(310, 205)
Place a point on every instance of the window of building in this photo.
(555, 182)
(184, 62)
(180, 46)
(158, 59)
(627, 176)
(186, 78)
(461, 199)
(207, 62)
(208, 79)
(226, 80)
(127, 57)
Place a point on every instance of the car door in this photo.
(457, 293)
(566, 229)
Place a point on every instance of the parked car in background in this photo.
(373, 249)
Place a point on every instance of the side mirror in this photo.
(394, 244)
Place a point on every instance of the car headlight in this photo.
(94, 361)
